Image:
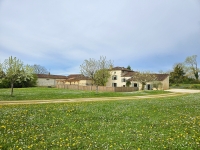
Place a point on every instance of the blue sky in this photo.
(59, 35)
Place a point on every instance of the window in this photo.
(114, 77)
(114, 84)
(135, 85)
(123, 80)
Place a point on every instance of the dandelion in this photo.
(3, 126)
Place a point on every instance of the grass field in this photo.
(185, 86)
(54, 93)
(164, 123)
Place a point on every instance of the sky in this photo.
(148, 35)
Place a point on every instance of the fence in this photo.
(100, 88)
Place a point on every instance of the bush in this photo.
(29, 83)
(195, 86)
(4, 84)
(185, 86)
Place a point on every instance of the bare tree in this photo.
(157, 84)
(14, 70)
(89, 68)
(39, 69)
(191, 67)
(144, 77)
(97, 70)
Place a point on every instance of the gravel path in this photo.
(90, 99)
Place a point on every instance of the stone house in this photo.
(120, 75)
(49, 80)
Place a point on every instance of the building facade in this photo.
(120, 76)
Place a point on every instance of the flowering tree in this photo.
(13, 70)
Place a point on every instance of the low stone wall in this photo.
(100, 88)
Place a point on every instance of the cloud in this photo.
(67, 32)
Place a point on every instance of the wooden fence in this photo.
(100, 88)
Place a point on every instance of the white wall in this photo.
(46, 82)
(119, 82)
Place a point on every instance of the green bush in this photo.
(4, 84)
(195, 86)
(29, 83)
(185, 86)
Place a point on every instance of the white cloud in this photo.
(67, 32)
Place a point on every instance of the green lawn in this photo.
(54, 93)
(166, 123)
(185, 86)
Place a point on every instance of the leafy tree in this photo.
(101, 77)
(129, 67)
(144, 77)
(15, 71)
(177, 75)
(96, 70)
(39, 69)
(191, 66)
(2, 74)
(128, 83)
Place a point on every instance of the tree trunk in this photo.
(11, 89)
(96, 88)
(196, 74)
(143, 84)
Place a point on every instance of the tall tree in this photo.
(129, 67)
(39, 69)
(15, 71)
(177, 75)
(97, 70)
(144, 77)
(192, 66)
(2, 74)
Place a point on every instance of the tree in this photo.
(96, 70)
(39, 69)
(101, 77)
(128, 83)
(2, 74)
(157, 84)
(129, 67)
(177, 75)
(191, 66)
(144, 77)
(15, 71)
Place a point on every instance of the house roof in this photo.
(121, 68)
(51, 76)
(76, 77)
(128, 74)
(160, 77)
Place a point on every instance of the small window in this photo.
(135, 85)
(123, 80)
(114, 84)
(47, 79)
(114, 77)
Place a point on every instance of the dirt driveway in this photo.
(174, 93)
